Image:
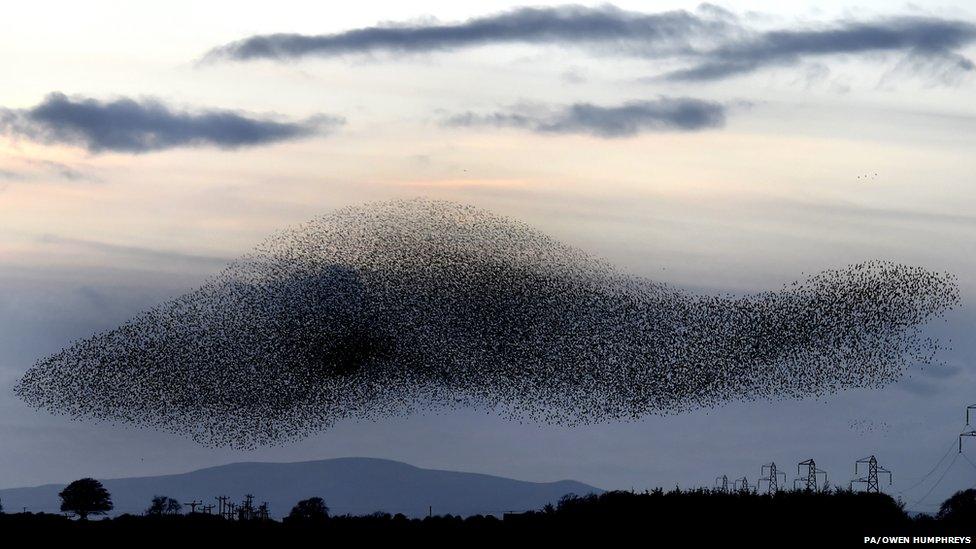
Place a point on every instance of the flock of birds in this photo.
(397, 307)
(863, 426)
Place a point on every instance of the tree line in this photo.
(87, 497)
(831, 512)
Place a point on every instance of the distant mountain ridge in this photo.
(349, 486)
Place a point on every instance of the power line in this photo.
(934, 467)
(969, 460)
(932, 489)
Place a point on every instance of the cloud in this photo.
(918, 37)
(139, 126)
(639, 33)
(132, 252)
(628, 119)
(711, 43)
(573, 76)
(10, 175)
(61, 169)
(31, 170)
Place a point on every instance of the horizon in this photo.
(361, 458)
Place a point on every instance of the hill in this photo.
(349, 485)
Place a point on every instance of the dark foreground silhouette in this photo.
(702, 516)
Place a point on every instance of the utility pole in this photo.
(193, 505)
(722, 483)
(247, 507)
(222, 506)
(873, 486)
(772, 481)
(812, 472)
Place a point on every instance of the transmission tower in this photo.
(193, 505)
(873, 486)
(965, 434)
(722, 483)
(811, 478)
(772, 480)
(741, 485)
(968, 408)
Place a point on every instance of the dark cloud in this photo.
(637, 32)
(919, 37)
(631, 118)
(131, 126)
(713, 43)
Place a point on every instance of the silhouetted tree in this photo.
(162, 505)
(960, 507)
(309, 510)
(85, 497)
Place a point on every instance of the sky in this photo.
(727, 147)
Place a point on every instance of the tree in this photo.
(960, 507)
(86, 497)
(309, 510)
(162, 505)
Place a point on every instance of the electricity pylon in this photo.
(772, 481)
(722, 483)
(812, 472)
(873, 486)
(741, 485)
(965, 434)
